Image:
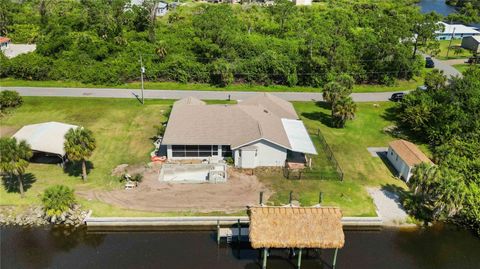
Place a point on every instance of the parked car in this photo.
(398, 96)
(429, 62)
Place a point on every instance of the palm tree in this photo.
(343, 110)
(332, 92)
(14, 158)
(79, 146)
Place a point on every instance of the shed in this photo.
(471, 43)
(4, 42)
(296, 228)
(47, 137)
(404, 155)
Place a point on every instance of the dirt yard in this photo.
(152, 195)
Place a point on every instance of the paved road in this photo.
(175, 94)
(446, 66)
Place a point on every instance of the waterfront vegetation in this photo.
(123, 131)
(447, 118)
(99, 42)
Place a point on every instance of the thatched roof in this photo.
(296, 227)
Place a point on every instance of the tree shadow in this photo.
(388, 164)
(323, 104)
(401, 193)
(319, 116)
(10, 182)
(391, 114)
(75, 168)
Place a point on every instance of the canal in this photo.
(438, 6)
(433, 248)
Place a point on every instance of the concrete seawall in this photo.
(208, 222)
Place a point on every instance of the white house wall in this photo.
(268, 154)
(400, 165)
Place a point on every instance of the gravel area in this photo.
(388, 207)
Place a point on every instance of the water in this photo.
(437, 248)
(438, 6)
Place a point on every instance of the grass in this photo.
(400, 85)
(350, 149)
(451, 54)
(463, 67)
(123, 129)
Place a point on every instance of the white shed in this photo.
(404, 155)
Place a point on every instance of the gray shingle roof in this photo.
(192, 122)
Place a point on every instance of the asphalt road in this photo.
(178, 94)
(446, 66)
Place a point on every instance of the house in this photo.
(161, 9)
(4, 42)
(404, 155)
(259, 131)
(455, 31)
(471, 43)
(303, 2)
(46, 138)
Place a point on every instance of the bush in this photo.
(10, 99)
(58, 199)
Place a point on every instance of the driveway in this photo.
(446, 66)
(178, 94)
(389, 207)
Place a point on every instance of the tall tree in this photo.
(423, 30)
(79, 146)
(14, 158)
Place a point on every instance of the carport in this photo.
(46, 138)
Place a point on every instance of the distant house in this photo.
(162, 7)
(404, 155)
(456, 31)
(471, 43)
(259, 131)
(4, 42)
(303, 2)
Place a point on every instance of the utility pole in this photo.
(142, 71)
(450, 43)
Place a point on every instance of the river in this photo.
(438, 6)
(433, 248)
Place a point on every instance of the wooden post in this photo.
(320, 198)
(335, 259)
(291, 195)
(239, 231)
(299, 261)
(218, 232)
(261, 198)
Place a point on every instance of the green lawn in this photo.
(123, 129)
(350, 149)
(463, 67)
(400, 85)
(463, 53)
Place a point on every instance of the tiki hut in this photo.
(296, 228)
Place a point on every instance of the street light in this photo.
(142, 71)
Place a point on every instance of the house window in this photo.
(226, 151)
(396, 158)
(194, 151)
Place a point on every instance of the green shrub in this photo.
(10, 99)
(58, 199)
